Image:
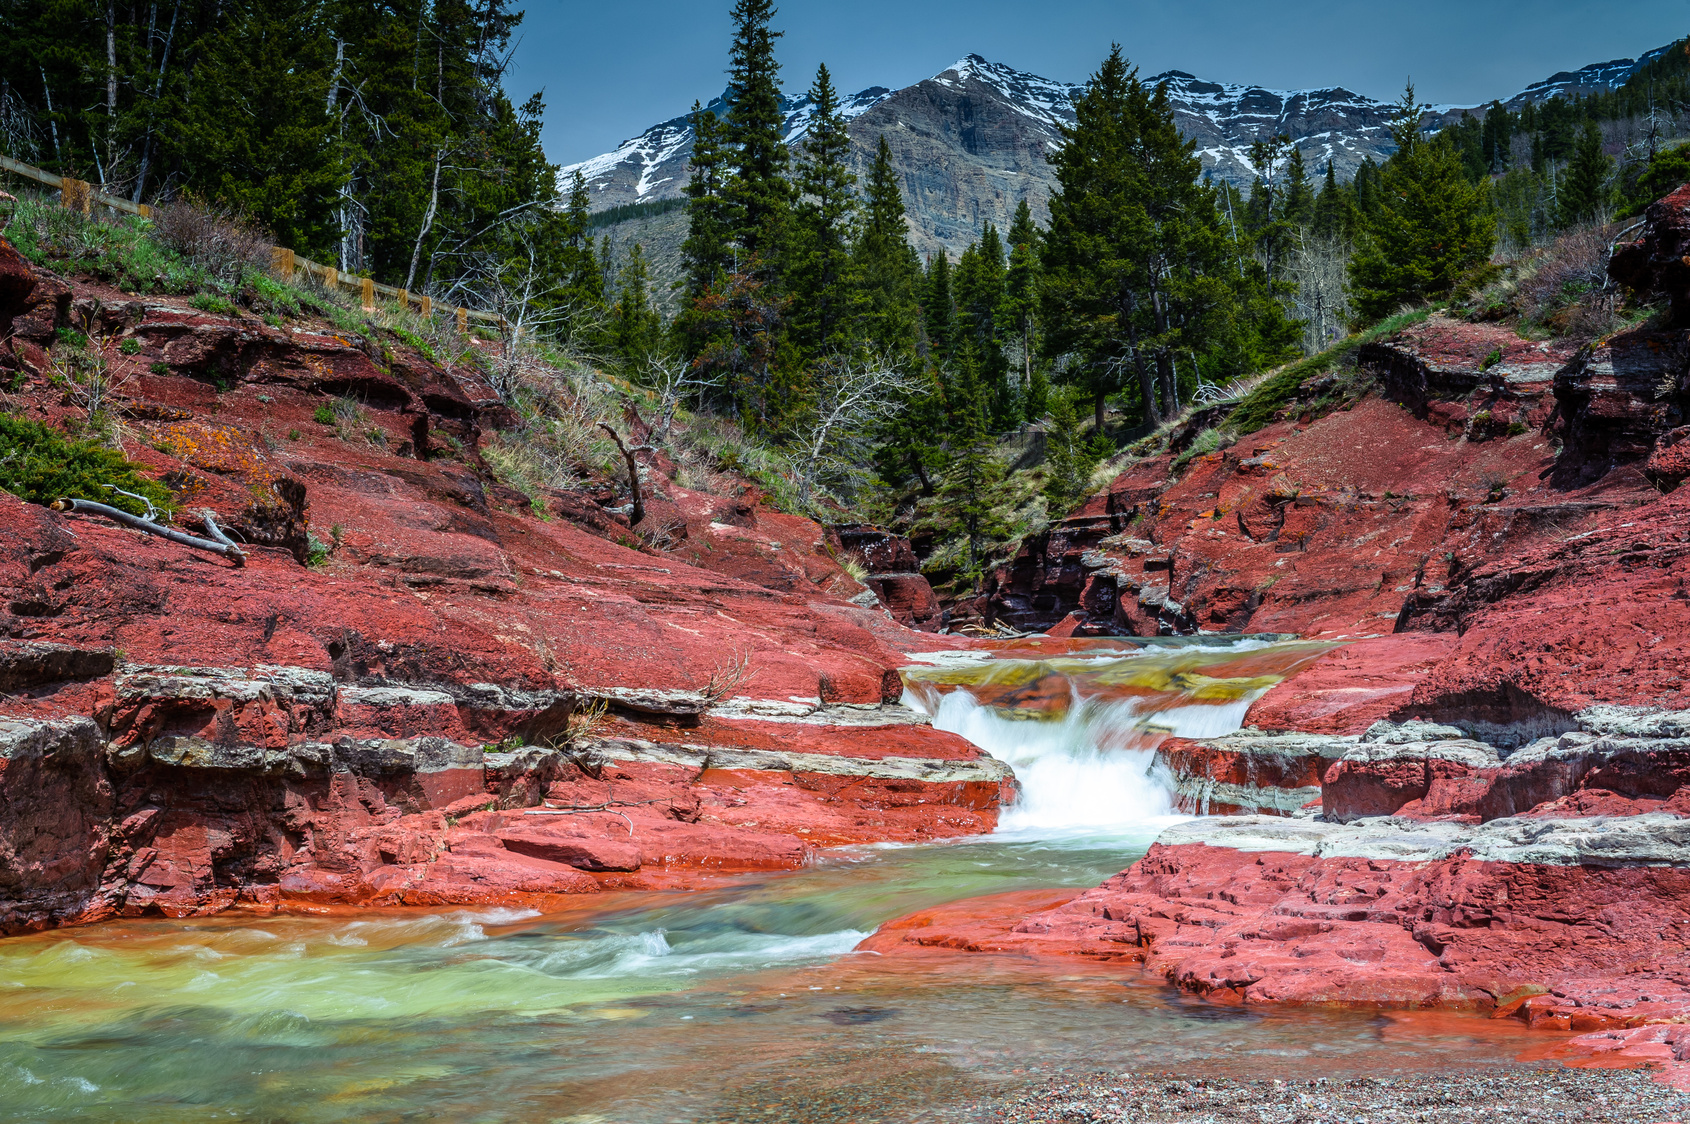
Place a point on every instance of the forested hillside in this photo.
(378, 138)
(966, 402)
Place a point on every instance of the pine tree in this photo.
(1334, 210)
(1297, 206)
(887, 267)
(1432, 223)
(1496, 138)
(1017, 311)
(1136, 269)
(821, 275)
(636, 327)
(970, 502)
(938, 310)
(758, 189)
(1066, 465)
(705, 252)
(1584, 194)
(582, 285)
(979, 287)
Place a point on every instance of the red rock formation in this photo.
(180, 734)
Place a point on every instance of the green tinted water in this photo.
(734, 1004)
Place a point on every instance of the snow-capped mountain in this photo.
(970, 142)
(653, 165)
(1598, 77)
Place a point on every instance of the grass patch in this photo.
(1272, 395)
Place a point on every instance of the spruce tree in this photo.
(706, 254)
(938, 310)
(1334, 210)
(1136, 269)
(970, 502)
(1066, 465)
(1297, 206)
(636, 327)
(1016, 313)
(1432, 223)
(821, 281)
(1584, 194)
(886, 266)
(758, 189)
(582, 285)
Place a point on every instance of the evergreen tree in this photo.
(1496, 138)
(1584, 195)
(979, 286)
(706, 253)
(758, 189)
(636, 327)
(1334, 210)
(886, 266)
(821, 281)
(938, 310)
(1432, 223)
(1136, 269)
(1067, 465)
(582, 285)
(971, 499)
(1297, 207)
(1018, 310)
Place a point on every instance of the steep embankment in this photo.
(1481, 799)
(378, 707)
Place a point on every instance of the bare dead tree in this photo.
(638, 513)
(853, 395)
(672, 380)
(1319, 266)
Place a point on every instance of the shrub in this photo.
(40, 465)
(130, 346)
(324, 415)
(218, 244)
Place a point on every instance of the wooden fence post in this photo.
(427, 306)
(145, 210)
(405, 299)
(75, 194)
(463, 321)
(281, 263)
(369, 294)
(331, 277)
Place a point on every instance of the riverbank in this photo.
(1587, 1096)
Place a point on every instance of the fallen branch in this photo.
(88, 507)
(209, 519)
(638, 513)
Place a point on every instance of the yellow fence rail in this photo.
(79, 195)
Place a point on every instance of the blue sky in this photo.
(610, 68)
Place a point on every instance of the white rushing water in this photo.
(1092, 772)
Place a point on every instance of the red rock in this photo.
(582, 852)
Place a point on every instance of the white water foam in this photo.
(1092, 772)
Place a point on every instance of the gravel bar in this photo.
(1588, 1096)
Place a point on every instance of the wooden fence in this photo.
(81, 196)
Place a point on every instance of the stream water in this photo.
(743, 1003)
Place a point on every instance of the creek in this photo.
(744, 1002)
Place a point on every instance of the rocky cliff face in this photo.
(970, 142)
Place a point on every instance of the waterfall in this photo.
(1089, 767)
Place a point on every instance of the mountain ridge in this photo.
(970, 142)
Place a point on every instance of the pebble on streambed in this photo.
(1585, 1096)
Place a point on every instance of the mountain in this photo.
(971, 141)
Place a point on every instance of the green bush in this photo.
(324, 415)
(120, 251)
(40, 465)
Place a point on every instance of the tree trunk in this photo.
(111, 84)
(638, 513)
